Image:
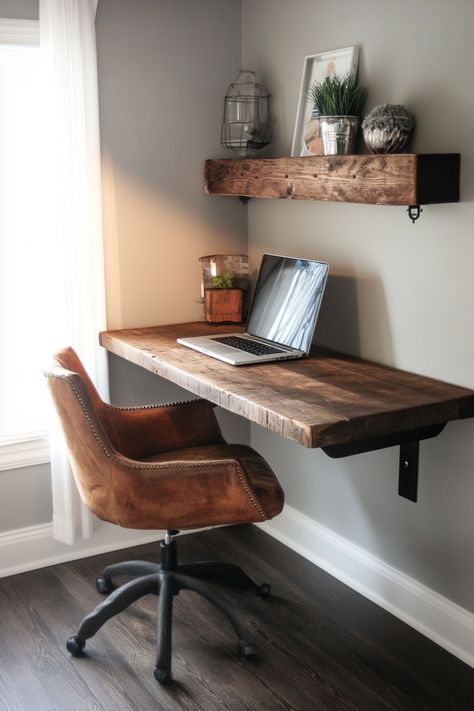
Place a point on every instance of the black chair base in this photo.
(165, 580)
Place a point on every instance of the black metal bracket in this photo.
(244, 199)
(414, 212)
(408, 470)
(409, 442)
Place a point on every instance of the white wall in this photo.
(401, 294)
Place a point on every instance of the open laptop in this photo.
(282, 317)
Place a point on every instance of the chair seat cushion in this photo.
(264, 483)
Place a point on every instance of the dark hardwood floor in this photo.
(321, 645)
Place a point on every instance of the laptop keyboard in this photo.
(245, 344)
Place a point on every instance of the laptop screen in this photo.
(286, 300)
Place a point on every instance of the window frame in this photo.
(25, 450)
(19, 32)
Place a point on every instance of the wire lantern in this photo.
(246, 126)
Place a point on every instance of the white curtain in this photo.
(68, 48)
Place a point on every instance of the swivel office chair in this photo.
(164, 467)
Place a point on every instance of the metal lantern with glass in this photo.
(246, 126)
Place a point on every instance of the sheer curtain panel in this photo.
(68, 47)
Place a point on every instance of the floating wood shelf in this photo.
(393, 179)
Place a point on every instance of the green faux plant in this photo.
(226, 281)
(337, 96)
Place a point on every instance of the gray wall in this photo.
(163, 71)
(25, 497)
(399, 293)
(19, 9)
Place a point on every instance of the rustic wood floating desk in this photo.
(391, 179)
(342, 404)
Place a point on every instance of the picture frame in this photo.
(315, 68)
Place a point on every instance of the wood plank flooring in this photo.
(321, 645)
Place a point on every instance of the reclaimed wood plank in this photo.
(327, 398)
(392, 179)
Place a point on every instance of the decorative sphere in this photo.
(387, 128)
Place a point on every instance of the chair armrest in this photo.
(140, 432)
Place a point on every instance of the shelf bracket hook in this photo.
(414, 212)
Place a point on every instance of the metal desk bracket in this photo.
(409, 442)
(408, 470)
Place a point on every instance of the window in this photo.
(26, 286)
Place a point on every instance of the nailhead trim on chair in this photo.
(111, 455)
(249, 494)
(157, 406)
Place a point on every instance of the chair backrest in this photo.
(79, 407)
(68, 359)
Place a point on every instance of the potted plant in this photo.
(222, 301)
(338, 102)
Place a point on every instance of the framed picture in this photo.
(316, 67)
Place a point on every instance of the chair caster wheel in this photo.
(263, 590)
(246, 649)
(75, 646)
(104, 585)
(162, 675)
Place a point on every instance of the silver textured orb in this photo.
(387, 128)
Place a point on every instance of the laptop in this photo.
(282, 317)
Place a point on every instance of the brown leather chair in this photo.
(164, 467)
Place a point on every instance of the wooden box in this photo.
(221, 305)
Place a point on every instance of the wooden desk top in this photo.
(326, 399)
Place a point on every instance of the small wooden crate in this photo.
(222, 305)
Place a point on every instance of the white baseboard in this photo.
(439, 619)
(33, 547)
